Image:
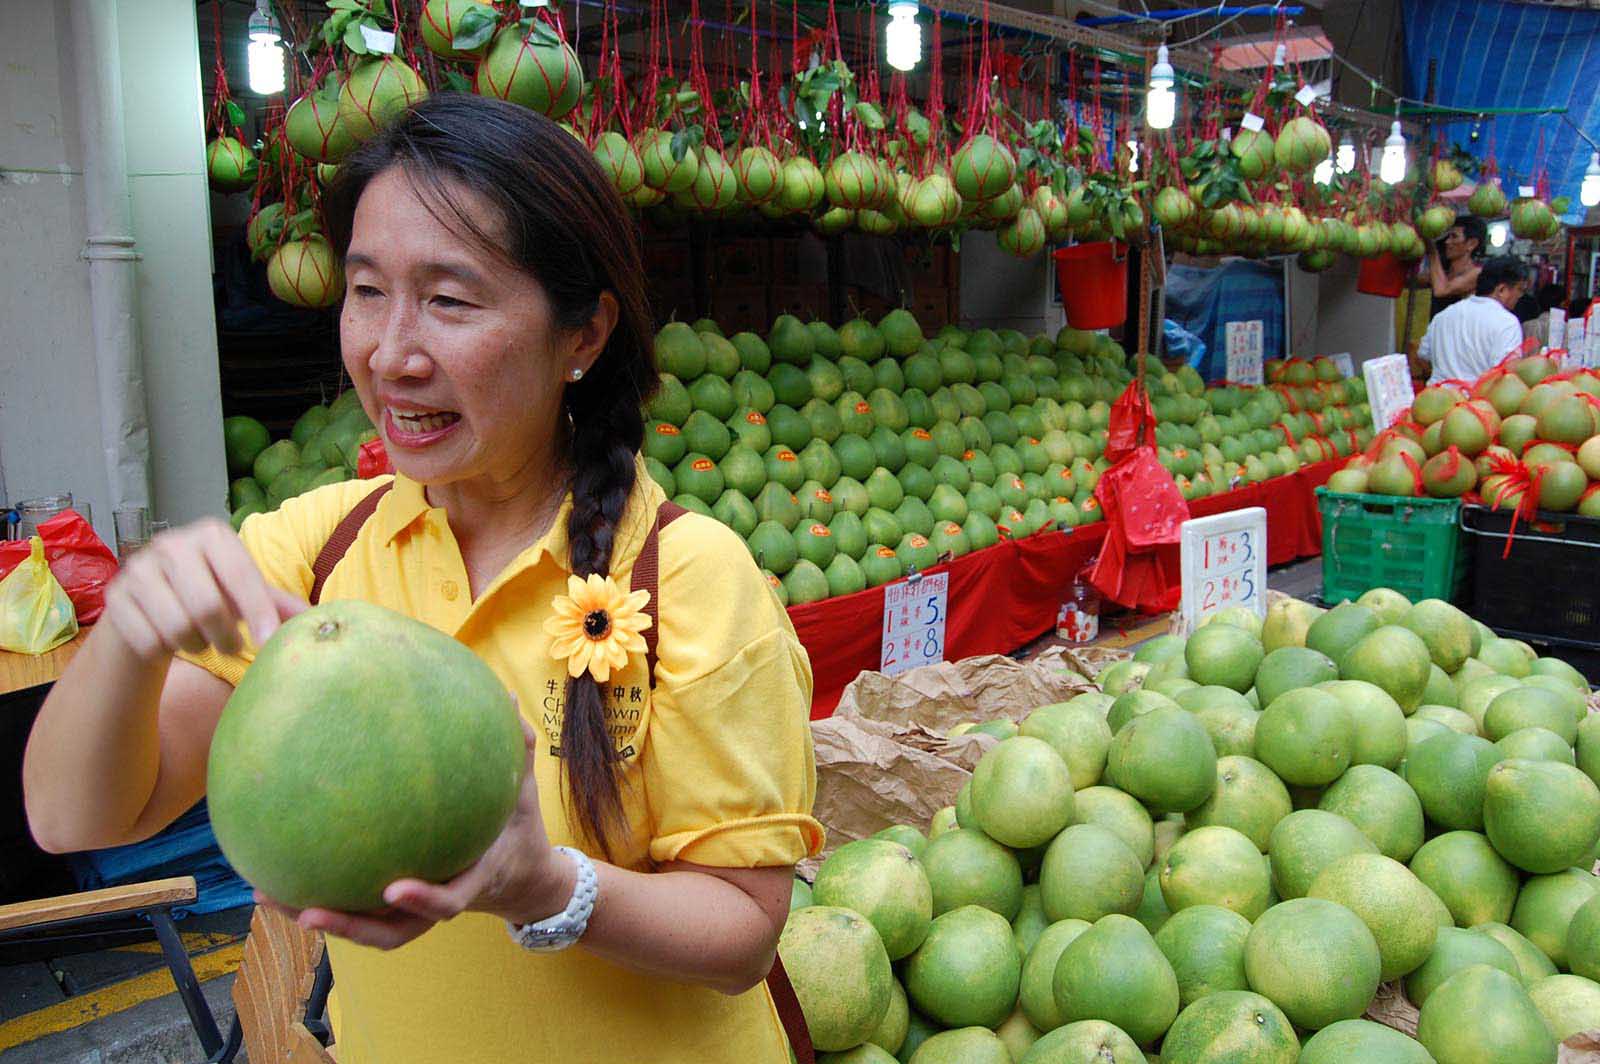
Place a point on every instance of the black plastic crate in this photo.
(1546, 587)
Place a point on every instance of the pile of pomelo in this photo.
(1222, 854)
(847, 456)
(322, 448)
(1523, 435)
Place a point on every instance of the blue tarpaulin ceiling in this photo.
(1501, 53)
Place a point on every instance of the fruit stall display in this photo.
(818, 138)
(1231, 852)
(1525, 435)
(323, 448)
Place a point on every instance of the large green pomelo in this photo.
(1532, 964)
(1306, 736)
(378, 89)
(1227, 716)
(1022, 792)
(840, 972)
(865, 1053)
(1133, 704)
(415, 783)
(1037, 995)
(1569, 1004)
(1153, 911)
(1088, 872)
(1542, 816)
(1504, 656)
(1395, 659)
(1483, 1016)
(1216, 866)
(1389, 605)
(1289, 668)
(1474, 882)
(967, 970)
(1349, 1041)
(1341, 628)
(1441, 689)
(1223, 655)
(1588, 747)
(1382, 805)
(243, 439)
(1078, 734)
(1394, 904)
(519, 67)
(272, 461)
(1380, 724)
(1455, 950)
(1527, 706)
(1121, 814)
(1205, 946)
(1231, 1027)
(1165, 759)
(918, 1030)
(1547, 905)
(1287, 622)
(1121, 677)
(966, 867)
(884, 882)
(1582, 942)
(890, 1034)
(1249, 798)
(1314, 959)
(1448, 633)
(1454, 719)
(1449, 772)
(1114, 972)
(1085, 1042)
(1574, 699)
(1307, 841)
(1476, 694)
(1030, 921)
(968, 1045)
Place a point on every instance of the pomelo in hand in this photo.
(361, 747)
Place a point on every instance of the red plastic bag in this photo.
(1132, 424)
(80, 561)
(373, 460)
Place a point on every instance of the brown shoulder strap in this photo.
(344, 534)
(647, 577)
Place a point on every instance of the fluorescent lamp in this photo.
(1346, 159)
(903, 37)
(1589, 192)
(1392, 170)
(263, 54)
(1161, 102)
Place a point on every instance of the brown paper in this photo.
(1581, 1048)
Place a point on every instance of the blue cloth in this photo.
(187, 847)
(1204, 301)
(1181, 343)
(1495, 53)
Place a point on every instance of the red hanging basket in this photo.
(1094, 284)
(1383, 275)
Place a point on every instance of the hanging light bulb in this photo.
(903, 37)
(1161, 102)
(1393, 167)
(1323, 174)
(1499, 233)
(264, 56)
(1346, 159)
(1589, 192)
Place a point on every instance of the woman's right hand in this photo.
(190, 588)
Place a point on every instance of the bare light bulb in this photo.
(1392, 170)
(1499, 233)
(1346, 159)
(903, 37)
(1589, 191)
(1323, 174)
(1161, 102)
(264, 57)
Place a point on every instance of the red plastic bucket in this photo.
(1382, 275)
(1094, 284)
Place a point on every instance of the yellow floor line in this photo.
(193, 942)
(115, 998)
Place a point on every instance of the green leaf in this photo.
(869, 115)
(344, 5)
(544, 34)
(680, 144)
(235, 115)
(379, 8)
(456, 81)
(474, 28)
(353, 39)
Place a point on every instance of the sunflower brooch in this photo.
(597, 626)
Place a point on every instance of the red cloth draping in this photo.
(1006, 596)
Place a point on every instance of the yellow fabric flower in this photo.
(597, 626)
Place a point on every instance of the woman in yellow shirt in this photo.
(495, 327)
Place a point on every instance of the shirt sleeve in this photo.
(729, 771)
(1508, 340)
(284, 544)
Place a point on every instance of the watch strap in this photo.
(566, 927)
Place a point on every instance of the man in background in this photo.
(1472, 336)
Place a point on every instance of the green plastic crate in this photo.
(1413, 545)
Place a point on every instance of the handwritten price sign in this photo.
(1244, 339)
(1388, 388)
(1224, 563)
(914, 614)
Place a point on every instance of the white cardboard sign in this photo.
(1244, 340)
(914, 614)
(1347, 368)
(1223, 561)
(1388, 389)
(1558, 328)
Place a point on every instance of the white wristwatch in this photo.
(567, 926)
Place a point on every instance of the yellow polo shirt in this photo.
(717, 770)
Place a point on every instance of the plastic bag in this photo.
(35, 613)
(77, 557)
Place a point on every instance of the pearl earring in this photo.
(577, 375)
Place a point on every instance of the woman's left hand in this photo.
(519, 878)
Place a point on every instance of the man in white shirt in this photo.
(1474, 335)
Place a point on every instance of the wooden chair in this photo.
(280, 995)
(46, 918)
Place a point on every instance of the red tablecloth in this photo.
(1006, 596)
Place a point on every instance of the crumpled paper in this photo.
(883, 758)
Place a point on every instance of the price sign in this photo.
(1577, 341)
(1244, 339)
(378, 42)
(1388, 389)
(1347, 368)
(1223, 560)
(913, 623)
(1253, 122)
(1558, 329)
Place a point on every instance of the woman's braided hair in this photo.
(563, 223)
